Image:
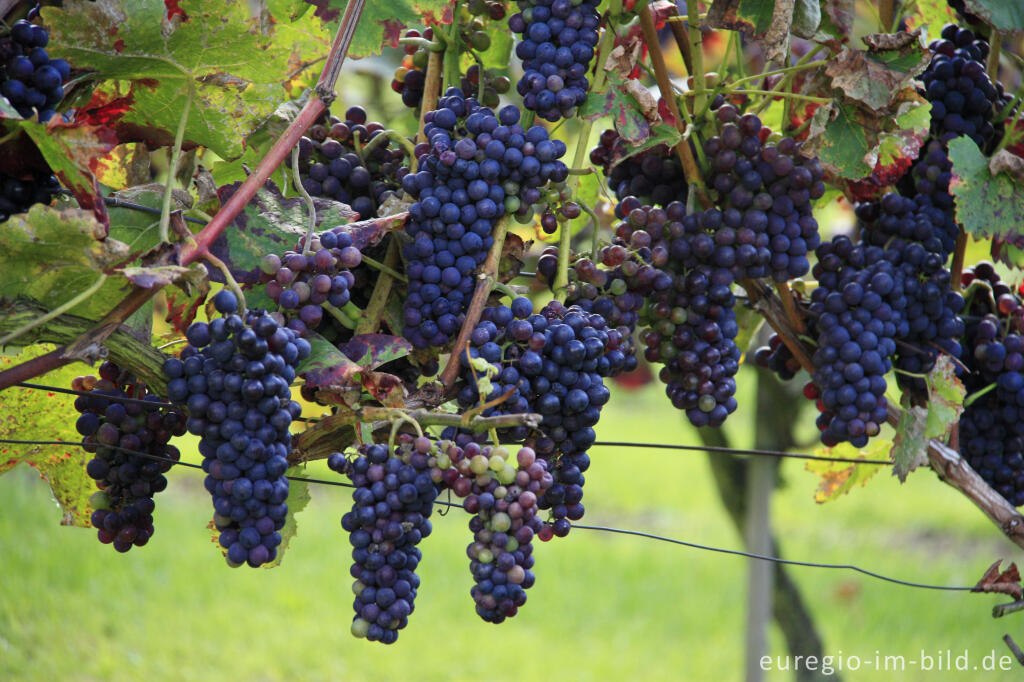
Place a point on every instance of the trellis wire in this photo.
(652, 446)
(606, 529)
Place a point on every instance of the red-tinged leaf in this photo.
(513, 253)
(1001, 582)
(837, 20)
(183, 305)
(839, 478)
(72, 151)
(366, 233)
(373, 350)
(381, 23)
(387, 389)
(164, 275)
(930, 16)
(328, 371)
(27, 414)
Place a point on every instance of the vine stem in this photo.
(282, 147)
(697, 54)
(381, 290)
(377, 265)
(228, 278)
(668, 94)
(172, 172)
(774, 93)
(431, 91)
(59, 310)
(301, 189)
(778, 72)
(789, 305)
(85, 347)
(956, 268)
(579, 158)
(484, 284)
(885, 14)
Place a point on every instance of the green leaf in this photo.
(749, 322)
(373, 350)
(986, 205)
(228, 59)
(381, 23)
(931, 16)
(1004, 15)
(910, 446)
(836, 20)
(28, 414)
(945, 399)
(139, 229)
(51, 254)
(298, 500)
(839, 478)
(843, 143)
(806, 18)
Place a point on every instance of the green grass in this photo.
(604, 607)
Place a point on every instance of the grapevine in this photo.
(377, 265)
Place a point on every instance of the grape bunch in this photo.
(763, 221)
(19, 195)
(962, 96)
(29, 79)
(607, 291)
(558, 42)
(503, 495)
(992, 425)
(132, 453)
(552, 363)
(858, 308)
(234, 377)
(301, 281)
(331, 168)
(391, 506)
(475, 168)
(688, 324)
(654, 176)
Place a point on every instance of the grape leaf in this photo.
(337, 378)
(875, 77)
(836, 21)
(910, 446)
(988, 206)
(29, 414)
(140, 229)
(839, 478)
(373, 350)
(381, 23)
(51, 254)
(945, 399)
(298, 499)
(931, 16)
(270, 223)
(223, 58)
(1004, 15)
(768, 21)
(751, 16)
(72, 152)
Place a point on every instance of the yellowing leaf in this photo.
(839, 478)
